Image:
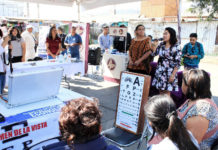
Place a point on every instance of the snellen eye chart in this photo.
(130, 101)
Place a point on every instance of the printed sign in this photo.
(117, 31)
(111, 64)
(43, 33)
(30, 130)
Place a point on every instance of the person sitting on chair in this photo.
(80, 126)
(199, 113)
(161, 114)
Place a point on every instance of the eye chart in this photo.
(134, 90)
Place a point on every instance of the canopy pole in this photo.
(178, 5)
(38, 10)
(28, 9)
(78, 8)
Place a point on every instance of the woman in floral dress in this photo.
(165, 79)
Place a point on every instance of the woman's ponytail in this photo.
(161, 114)
(179, 134)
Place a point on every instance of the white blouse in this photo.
(167, 144)
(2, 65)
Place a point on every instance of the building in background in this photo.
(159, 8)
(158, 14)
(11, 9)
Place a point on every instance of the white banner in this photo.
(117, 31)
(43, 32)
(30, 130)
(113, 65)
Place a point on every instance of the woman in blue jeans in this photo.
(2, 61)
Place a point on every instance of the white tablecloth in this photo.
(30, 124)
(113, 65)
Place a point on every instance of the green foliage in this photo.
(201, 6)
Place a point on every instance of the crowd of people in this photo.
(193, 126)
(120, 43)
(21, 47)
(24, 45)
(58, 43)
(142, 50)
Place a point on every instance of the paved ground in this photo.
(210, 64)
(106, 92)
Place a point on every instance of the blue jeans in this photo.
(102, 51)
(189, 67)
(75, 55)
(2, 83)
(50, 57)
(64, 52)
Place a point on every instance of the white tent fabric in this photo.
(86, 4)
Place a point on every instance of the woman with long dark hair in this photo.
(199, 113)
(165, 79)
(169, 60)
(53, 43)
(18, 46)
(140, 45)
(161, 114)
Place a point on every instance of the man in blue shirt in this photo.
(192, 53)
(73, 41)
(105, 40)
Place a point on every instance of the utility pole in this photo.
(179, 4)
(115, 11)
(38, 11)
(3, 4)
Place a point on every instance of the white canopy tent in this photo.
(84, 4)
